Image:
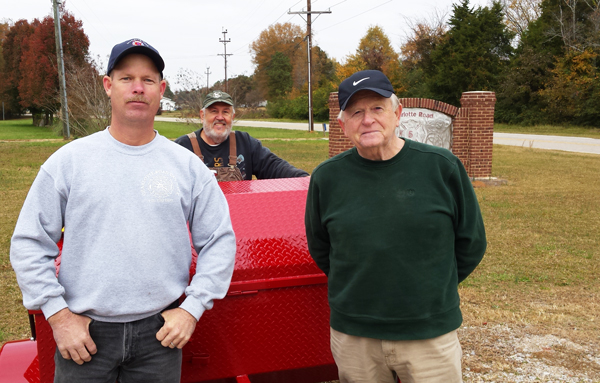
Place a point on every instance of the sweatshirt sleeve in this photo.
(267, 165)
(317, 236)
(33, 247)
(470, 240)
(214, 241)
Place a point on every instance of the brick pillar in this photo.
(473, 133)
(338, 143)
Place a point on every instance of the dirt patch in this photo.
(501, 353)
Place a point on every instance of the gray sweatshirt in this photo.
(125, 212)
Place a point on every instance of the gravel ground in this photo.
(511, 354)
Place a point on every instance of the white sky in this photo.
(187, 32)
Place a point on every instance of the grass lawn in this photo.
(173, 130)
(23, 129)
(540, 272)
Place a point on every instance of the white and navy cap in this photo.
(134, 46)
(372, 80)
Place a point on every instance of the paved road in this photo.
(570, 144)
(261, 124)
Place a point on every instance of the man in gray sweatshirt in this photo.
(125, 197)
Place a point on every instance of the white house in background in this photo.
(167, 104)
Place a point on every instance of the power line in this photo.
(101, 33)
(335, 5)
(208, 73)
(309, 12)
(225, 41)
(277, 19)
(355, 16)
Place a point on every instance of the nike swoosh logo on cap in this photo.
(355, 83)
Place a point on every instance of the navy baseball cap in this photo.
(134, 46)
(373, 80)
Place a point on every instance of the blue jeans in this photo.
(127, 353)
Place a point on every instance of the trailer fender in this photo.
(19, 362)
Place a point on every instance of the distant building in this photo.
(167, 104)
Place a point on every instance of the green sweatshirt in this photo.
(395, 239)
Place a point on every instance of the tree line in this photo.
(540, 57)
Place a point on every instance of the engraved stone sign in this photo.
(427, 126)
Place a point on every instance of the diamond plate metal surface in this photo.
(268, 219)
(264, 330)
(46, 347)
(272, 330)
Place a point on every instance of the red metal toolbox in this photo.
(273, 325)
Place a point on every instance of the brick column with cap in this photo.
(473, 133)
(338, 142)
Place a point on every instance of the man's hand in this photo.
(178, 328)
(72, 336)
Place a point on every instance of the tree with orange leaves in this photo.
(13, 45)
(38, 85)
(374, 52)
(287, 39)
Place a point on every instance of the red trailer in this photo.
(273, 325)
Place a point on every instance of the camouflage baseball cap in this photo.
(216, 96)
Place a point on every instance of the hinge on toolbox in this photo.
(198, 359)
(248, 292)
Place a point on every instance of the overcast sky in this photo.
(187, 32)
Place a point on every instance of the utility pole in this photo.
(308, 14)
(61, 70)
(225, 41)
(207, 74)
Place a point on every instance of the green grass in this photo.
(23, 129)
(305, 155)
(173, 130)
(543, 232)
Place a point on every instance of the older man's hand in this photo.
(72, 336)
(178, 328)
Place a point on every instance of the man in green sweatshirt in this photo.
(396, 226)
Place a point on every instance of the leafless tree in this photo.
(519, 13)
(422, 37)
(88, 105)
(579, 33)
(190, 95)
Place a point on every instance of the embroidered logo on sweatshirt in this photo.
(160, 186)
(403, 194)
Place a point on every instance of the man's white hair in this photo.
(232, 109)
(395, 105)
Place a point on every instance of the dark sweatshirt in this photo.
(395, 238)
(252, 157)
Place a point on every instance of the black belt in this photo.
(172, 306)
